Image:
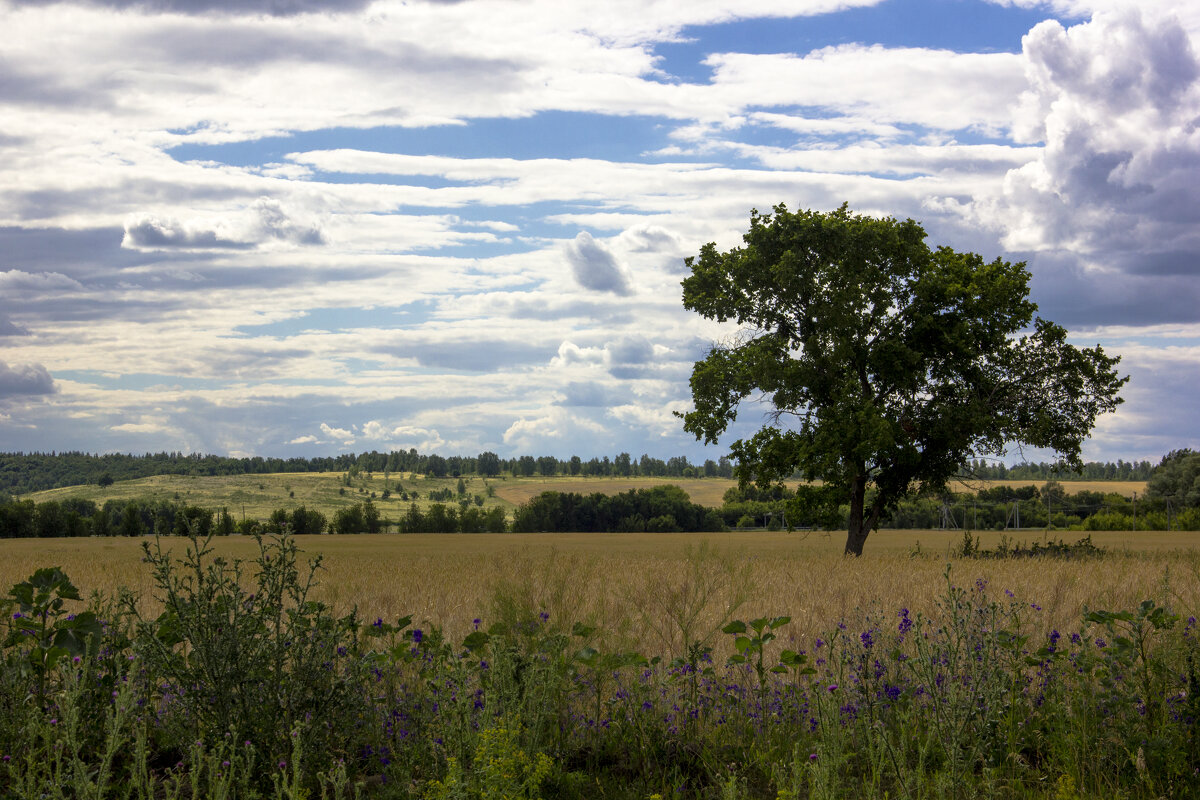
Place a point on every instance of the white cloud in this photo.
(1118, 181)
(345, 437)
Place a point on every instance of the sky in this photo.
(305, 227)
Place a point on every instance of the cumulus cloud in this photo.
(309, 439)
(595, 267)
(338, 434)
(1115, 102)
(571, 353)
(264, 221)
(553, 431)
(25, 380)
(425, 440)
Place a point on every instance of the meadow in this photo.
(256, 496)
(611, 580)
(634, 666)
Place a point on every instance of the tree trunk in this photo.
(861, 522)
(857, 535)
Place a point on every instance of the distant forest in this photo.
(32, 472)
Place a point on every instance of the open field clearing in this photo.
(635, 586)
(256, 496)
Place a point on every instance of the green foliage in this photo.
(661, 508)
(501, 770)
(892, 364)
(1178, 478)
(255, 663)
(41, 631)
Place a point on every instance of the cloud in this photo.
(264, 221)
(456, 352)
(342, 435)
(403, 437)
(1118, 179)
(10, 328)
(595, 268)
(553, 431)
(309, 439)
(154, 233)
(21, 380)
(277, 8)
(585, 394)
(15, 280)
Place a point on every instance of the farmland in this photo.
(558, 686)
(256, 496)
(736, 664)
(610, 579)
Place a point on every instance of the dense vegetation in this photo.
(245, 688)
(660, 509)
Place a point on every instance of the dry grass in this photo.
(644, 588)
(1124, 488)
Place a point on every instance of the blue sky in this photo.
(300, 227)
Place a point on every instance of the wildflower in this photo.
(833, 687)
(283, 765)
(418, 635)
(812, 756)
(544, 617)
(378, 623)
(905, 622)
(477, 621)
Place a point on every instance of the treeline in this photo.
(34, 472)
(1092, 471)
(661, 509)
(1171, 502)
(25, 519)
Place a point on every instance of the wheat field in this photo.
(651, 591)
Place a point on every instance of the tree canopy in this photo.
(888, 365)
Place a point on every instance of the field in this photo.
(595, 665)
(618, 581)
(256, 496)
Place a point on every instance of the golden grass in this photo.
(641, 588)
(1124, 488)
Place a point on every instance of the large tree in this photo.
(886, 365)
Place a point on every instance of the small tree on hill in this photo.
(888, 365)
